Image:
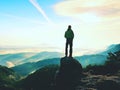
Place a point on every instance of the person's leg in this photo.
(71, 45)
(66, 48)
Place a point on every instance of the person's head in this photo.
(69, 27)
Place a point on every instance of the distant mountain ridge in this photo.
(94, 59)
(15, 59)
(21, 58)
(28, 68)
(85, 60)
(43, 55)
(112, 48)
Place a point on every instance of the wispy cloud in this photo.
(104, 8)
(38, 7)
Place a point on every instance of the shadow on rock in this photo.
(108, 85)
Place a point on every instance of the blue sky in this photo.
(42, 23)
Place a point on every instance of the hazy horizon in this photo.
(76, 51)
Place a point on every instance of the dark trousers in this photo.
(69, 42)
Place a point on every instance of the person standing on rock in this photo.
(69, 35)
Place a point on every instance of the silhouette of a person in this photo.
(69, 35)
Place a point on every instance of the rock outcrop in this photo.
(69, 72)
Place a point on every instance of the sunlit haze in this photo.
(39, 25)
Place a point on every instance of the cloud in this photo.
(38, 7)
(10, 64)
(104, 8)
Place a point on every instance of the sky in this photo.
(42, 24)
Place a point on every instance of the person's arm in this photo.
(65, 35)
(72, 34)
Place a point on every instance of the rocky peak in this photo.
(69, 72)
